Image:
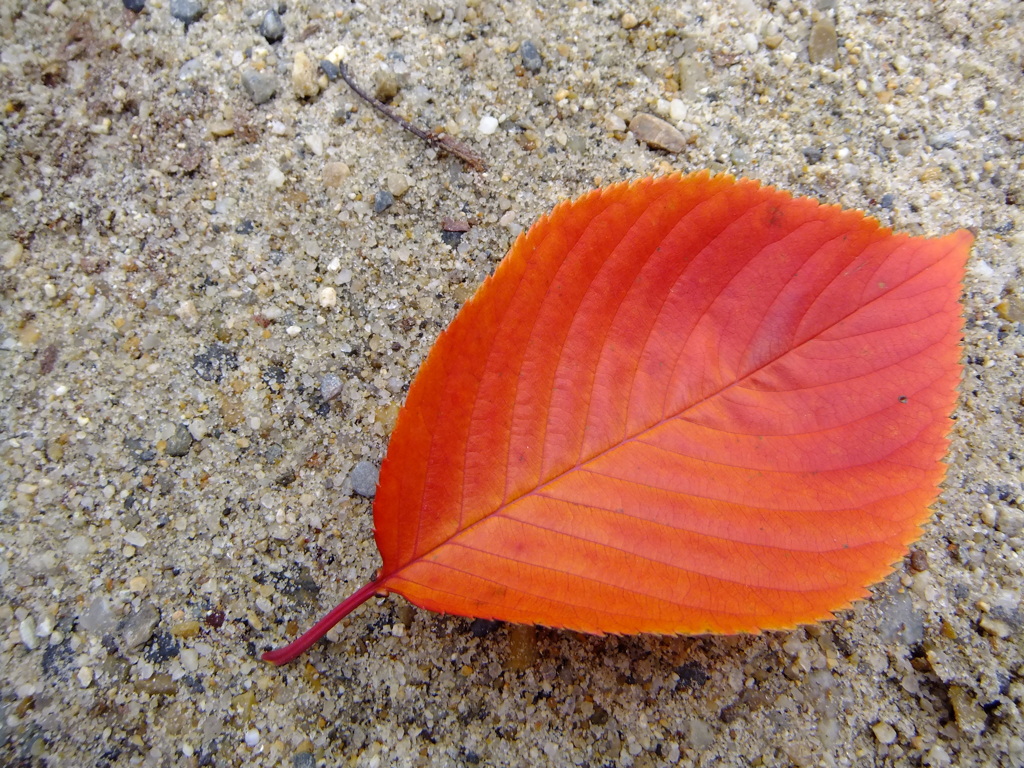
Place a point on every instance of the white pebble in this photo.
(275, 178)
(328, 297)
(198, 429)
(488, 125)
(190, 659)
(293, 330)
(136, 539)
(27, 630)
(85, 677)
(252, 737)
(677, 110)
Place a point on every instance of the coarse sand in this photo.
(220, 269)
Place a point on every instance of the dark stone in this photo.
(600, 716)
(272, 28)
(58, 660)
(887, 201)
(813, 154)
(531, 57)
(451, 238)
(692, 675)
(245, 227)
(274, 376)
(215, 619)
(483, 627)
(188, 11)
(135, 6)
(180, 442)
(162, 647)
(211, 364)
(382, 201)
(329, 68)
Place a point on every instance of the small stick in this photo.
(441, 141)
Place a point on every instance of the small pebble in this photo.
(1010, 521)
(136, 539)
(813, 154)
(531, 57)
(27, 631)
(629, 21)
(995, 626)
(198, 428)
(488, 125)
(276, 178)
(364, 479)
(303, 760)
(259, 86)
(305, 83)
(657, 133)
(330, 387)
(398, 184)
(135, 6)
(822, 45)
(190, 659)
(85, 675)
(252, 737)
(137, 628)
(329, 68)
(180, 442)
(328, 297)
(386, 85)
(188, 11)
(884, 732)
(334, 174)
(677, 110)
(382, 201)
(271, 27)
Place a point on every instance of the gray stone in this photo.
(382, 201)
(180, 442)
(137, 629)
(364, 479)
(272, 28)
(135, 6)
(942, 140)
(330, 387)
(303, 760)
(531, 57)
(260, 86)
(188, 11)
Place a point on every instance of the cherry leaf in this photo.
(685, 404)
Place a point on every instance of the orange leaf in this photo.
(680, 405)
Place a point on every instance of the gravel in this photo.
(271, 26)
(174, 204)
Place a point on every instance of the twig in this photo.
(442, 141)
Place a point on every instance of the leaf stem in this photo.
(441, 141)
(303, 642)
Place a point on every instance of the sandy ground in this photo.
(185, 270)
